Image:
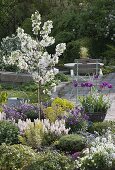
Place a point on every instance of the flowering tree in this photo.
(33, 56)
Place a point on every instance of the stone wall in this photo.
(15, 77)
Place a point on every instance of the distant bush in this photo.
(108, 69)
(62, 77)
(73, 48)
(31, 86)
(64, 36)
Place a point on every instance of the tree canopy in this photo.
(89, 23)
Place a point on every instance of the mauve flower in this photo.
(96, 76)
(82, 84)
(85, 117)
(75, 111)
(109, 86)
(88, 84)
(75, 83)
(19, 112)
(105, 84)
(101, 86)
(75, 119)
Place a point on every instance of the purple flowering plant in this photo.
(76, 120)
(92, 84)
(22, 112)
(96, 76)
(83, 84)
(75, 83)
(105, 85)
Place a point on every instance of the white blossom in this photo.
(46, 29)
(33, 56)
(60, 48)
(2, 116)
(102, 145)
(23, 125)
(58, 127)
(36, 22)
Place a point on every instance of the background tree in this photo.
(76, 22)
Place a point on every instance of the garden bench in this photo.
(87, 60)
(86, 69)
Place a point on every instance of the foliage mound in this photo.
(8, 132)
(32, 135)
(58, 109)
(101, 127)
(76, 120)
(52, 160)
(71, 143)
(16, 157)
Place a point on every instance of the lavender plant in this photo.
(76, 120)
(21, 112)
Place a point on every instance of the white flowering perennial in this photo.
(58, 127)
(33, 56)
(2, 116)
(23, 125)
(101, 152)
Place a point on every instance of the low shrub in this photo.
(32, 114)
(3, 97)
(33, 134)
(108, 69)
(95, 102)
(8, 132)
(100, 155)
(41, 132)
(62, 77)
(53, 131)
(49, 139)
(31, 86)
(76, 120)
(22, 111)
(99, 161)
(16, 157)
(58, 109)
(71, 143)
(7, 86)
(52, 161)
(101, 127)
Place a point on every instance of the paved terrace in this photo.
(66, 90)
(111, 112)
